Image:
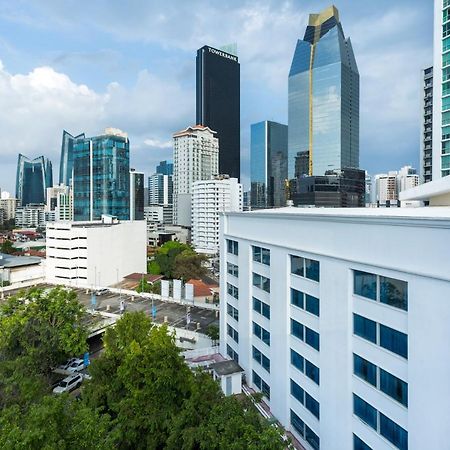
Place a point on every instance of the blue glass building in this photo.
(165, 168)
(33, 178)
(101, 177)
(323, 99)
(66, 161)
(268, 164)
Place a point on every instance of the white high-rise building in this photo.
(95, 253)
(441, 90)
(30, 216)
(210, 198)
(9, 205)
(195, 157)
(59, 203)
(340, 317)
(387, 187)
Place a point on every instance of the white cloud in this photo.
(37, 106)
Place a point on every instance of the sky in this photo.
(86, 65)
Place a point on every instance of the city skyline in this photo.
(140, 77)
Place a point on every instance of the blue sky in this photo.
(85, 65)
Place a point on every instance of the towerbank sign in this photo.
(223, 54)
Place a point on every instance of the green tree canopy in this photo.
(7, 247)
(42, 328)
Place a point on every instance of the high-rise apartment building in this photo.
(60, 203)
(268, 164)
(30, 216)
(9, 205)
(66, 161)
(101, 176)
(338, 322)
(426, 143)
(33, 178)
(323, 98)
(195, 157)
(160, 185)
(387, 187)
(218, 103)
(211, 198)
(136, 195)
(441, 90)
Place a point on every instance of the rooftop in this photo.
(436, 191)
(385, 213)
(10, 261)
(226, 367)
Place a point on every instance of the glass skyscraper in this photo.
(268, 164)
(165, 168)
(323, 99)
(66, 162)
(136, 195)
(101, 176)
(218, 103)
(33, 178)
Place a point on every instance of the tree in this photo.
(188, 265)
(42, 328)
(143, 286)
(7, 247)
(56, 422)
(213, 333)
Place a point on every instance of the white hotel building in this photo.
(341, 317)
(210, 198)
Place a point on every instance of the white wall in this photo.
(405, 248)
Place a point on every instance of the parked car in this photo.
(101, 292)
(66, 365)
(68, 384)
(76, 366)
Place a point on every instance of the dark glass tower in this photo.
(268, 164)
(33, 178)
(136, 195)
(101, 177)
(323, 99)
(66, 162)
(218, 104)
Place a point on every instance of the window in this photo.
(312, 338)
(312, 269)
(233, 333)
(297, 298)
(365, 370)
(312, 371)
(312, 304)
(297, 265)
(233, 291)
(232, 269)
(232, 247)
(366, 412)
(261, 358)
(312, 438)
(233, 312)
(297, 392)
(232, 354)
(312, 405)
(304, 366)
(261, 282)
(297, 329)
(261, 255)
(386, 290)
(358, 444)
(297, 361)
(305, 302)
(394, 387)
(365, 284)
(394, 293)
(261, 384)
(393, 432)
(298, 424)
(261, 308)
(305, 267)
(261, 333)
(394, 341)
(365, 328)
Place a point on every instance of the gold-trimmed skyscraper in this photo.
(323, 131)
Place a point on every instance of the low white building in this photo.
(98, 253)
(340, 317)
(210, 198)
(21, 271)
